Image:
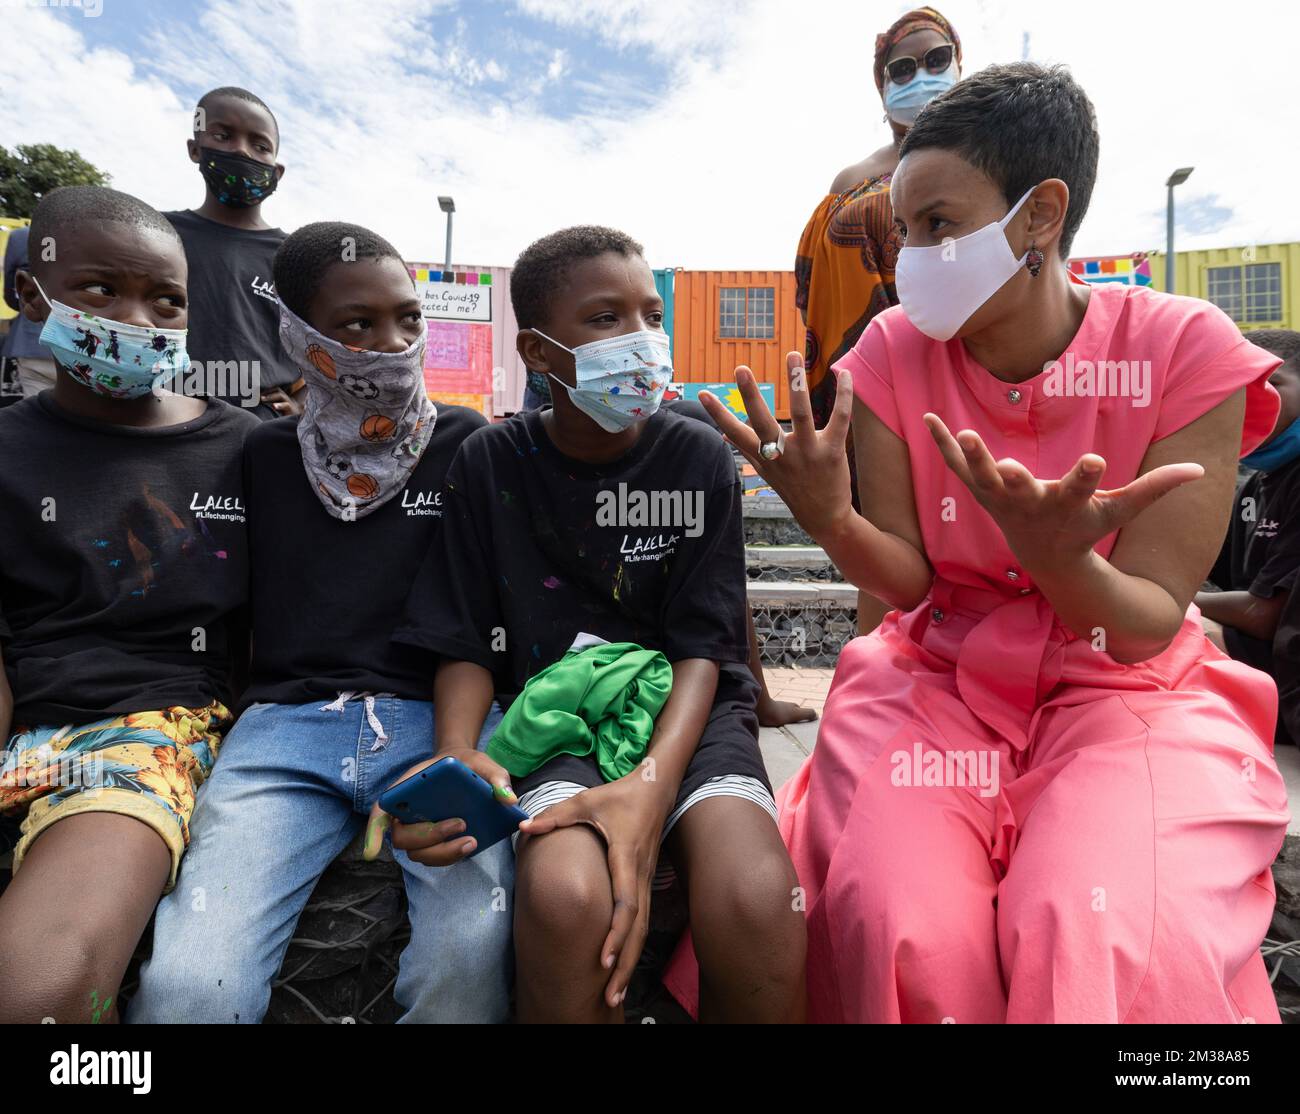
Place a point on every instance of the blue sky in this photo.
(709, 129)
(491, 46)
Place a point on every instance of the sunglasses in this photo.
(937, 59)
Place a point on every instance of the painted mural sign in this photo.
(1135, 269)
(458, 363)
(454, 295)
(728, 393)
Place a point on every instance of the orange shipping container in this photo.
(726, 318)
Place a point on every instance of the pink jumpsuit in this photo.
(1000, 822)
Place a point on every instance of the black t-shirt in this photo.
(123, 563)
(536, 548)
(1261, 553)
(326, 594)
(233, 312)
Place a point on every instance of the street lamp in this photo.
(448, 206)
(1177, 178)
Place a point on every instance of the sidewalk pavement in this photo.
(785, 748)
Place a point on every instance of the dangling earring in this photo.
(1034, 261)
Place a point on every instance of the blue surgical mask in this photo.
(112, 358)
(1283, 449)
(619, 381)
(904, 102)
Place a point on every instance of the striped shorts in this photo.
(727, 763)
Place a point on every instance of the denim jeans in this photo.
(292, 787)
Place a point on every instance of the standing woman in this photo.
(1039, 793)
(844, 269)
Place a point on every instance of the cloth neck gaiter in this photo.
(367, 419)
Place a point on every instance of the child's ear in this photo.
(192, 146)
(32, 305)
(279, 171)
(529, 347)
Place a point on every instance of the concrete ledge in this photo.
(800, 593)
(786, 556)
(763, 506)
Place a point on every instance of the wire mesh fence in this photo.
(807, 634)
(782, 574)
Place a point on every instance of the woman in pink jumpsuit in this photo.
(1038, 793)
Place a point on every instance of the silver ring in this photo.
(771, 450)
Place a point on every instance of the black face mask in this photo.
(235, 181)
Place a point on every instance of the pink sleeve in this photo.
(872, 380)
(1211, 361)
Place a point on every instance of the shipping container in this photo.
(664, 284)
(722, 319)
(508, 378)
(1257, 285)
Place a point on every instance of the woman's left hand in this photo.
(1046, 522)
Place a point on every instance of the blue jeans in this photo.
(292, 787)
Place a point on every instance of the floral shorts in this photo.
(143, 764)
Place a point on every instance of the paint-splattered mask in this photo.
(111, 357)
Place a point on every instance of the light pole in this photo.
(448, 206)
(1177, 178)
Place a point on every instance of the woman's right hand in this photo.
(812, 473)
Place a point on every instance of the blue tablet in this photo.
(450, 790)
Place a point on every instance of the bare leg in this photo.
(73, 915)
(749, 935)
(563, 909)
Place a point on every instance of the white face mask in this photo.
(941, 287)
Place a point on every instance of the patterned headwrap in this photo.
(919, 19)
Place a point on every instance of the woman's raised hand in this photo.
(811, 474)
(1047, 521)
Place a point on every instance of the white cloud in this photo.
(382, 109)
(665, 27)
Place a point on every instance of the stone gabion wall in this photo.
(811, 636)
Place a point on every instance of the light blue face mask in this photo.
(619, 381)
(904, 102)
(112, 358)
(1283, 449)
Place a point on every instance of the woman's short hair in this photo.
(1020, 123)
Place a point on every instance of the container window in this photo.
(1263, 292)
(1224, 290)
(731, 312)
(747, 313)
(762, 312)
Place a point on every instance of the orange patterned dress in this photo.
(844, 273)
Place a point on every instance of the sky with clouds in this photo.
(709, 129)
